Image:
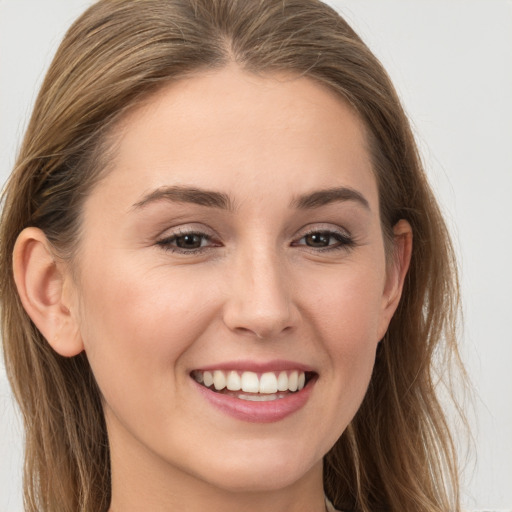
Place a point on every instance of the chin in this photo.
(259, 474)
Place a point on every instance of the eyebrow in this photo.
(213, 199)
(181, 194)
(330, 195)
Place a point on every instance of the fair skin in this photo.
(263, 276)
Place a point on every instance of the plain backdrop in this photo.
(451, 61)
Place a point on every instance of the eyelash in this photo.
(343, 241)
(166, 243)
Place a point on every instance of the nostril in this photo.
(263, 333)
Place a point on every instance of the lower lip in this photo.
(258, 412)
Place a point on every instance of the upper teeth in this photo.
(251, 382)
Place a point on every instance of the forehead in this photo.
(233, 129)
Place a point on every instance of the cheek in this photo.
(136, 324)
(346, 315)
(347, 305)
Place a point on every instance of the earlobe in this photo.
(41, 283)
(397, 270)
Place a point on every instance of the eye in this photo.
(190, 241)
(319, 239)
(325, 240)
(187, 242)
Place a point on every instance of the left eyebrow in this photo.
(330, 195)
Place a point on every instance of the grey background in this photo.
(451, 61)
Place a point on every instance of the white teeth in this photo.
(282, 382)
(302, 380)
(207, 379)
(219, 380)
(268, 383)
(293, 381)
(259, 398)
(250, 382)
(233, 382)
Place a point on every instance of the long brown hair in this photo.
(397, 453)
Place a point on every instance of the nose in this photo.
(259, 300)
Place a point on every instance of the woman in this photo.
(211, 296)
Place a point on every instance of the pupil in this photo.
(189, 241)
(318, 240)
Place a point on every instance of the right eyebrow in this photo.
(183, 194)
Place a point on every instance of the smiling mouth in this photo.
(252, 386)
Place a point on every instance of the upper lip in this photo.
(257, 366)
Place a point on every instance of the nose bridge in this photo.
(259, 299)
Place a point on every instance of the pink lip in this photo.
(258, 367)
(258, 412)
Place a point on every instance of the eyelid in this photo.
(323, 228)
(185, 229)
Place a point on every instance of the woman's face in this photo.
(236, 238)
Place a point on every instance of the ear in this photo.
(43, 286)
(398, 266)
